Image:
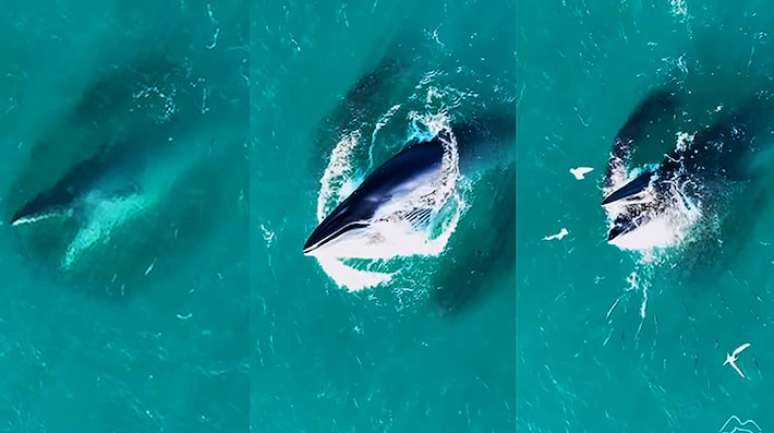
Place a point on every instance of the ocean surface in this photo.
(187, 149)
(607, 340)
(130, 314)
(433, 349)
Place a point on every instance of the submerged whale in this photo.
(653, 207)
(403, 195)
(95, 199)
(85, 184)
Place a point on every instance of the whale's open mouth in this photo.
(656, 221)
(659, 232)
(620, 228)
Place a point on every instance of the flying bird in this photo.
(731, 358)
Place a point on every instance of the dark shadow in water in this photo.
(482, 254)
(383, 86)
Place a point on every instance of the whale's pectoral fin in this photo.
(634, 187)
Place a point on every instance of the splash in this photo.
(268, 235)
(666, 229)
(680, 8)
(381, 123)
(668, 225)
(351, 278)
(636, 282)
(340, 171)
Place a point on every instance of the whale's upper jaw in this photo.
(631, 189)
(322, 236)
(351, 214)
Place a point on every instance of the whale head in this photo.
(375, 220)
(43, 207)
(346, 227)
(648, 215)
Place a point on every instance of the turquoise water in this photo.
(434, 349)
(132, 315)
(651, 363)
(173, 295)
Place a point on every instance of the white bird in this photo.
(731, 358)
(558, 236)
(581, 172)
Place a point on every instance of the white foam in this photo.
(381, 123)
(351, 278)
(684, 140)
(679, 8)
(338, 171)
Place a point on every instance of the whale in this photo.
(401, 196)
(95, 178)
(652, 205)
(98, 197)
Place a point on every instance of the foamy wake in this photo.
(398, 237)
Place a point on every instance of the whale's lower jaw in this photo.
(666, 229)
(659, 232)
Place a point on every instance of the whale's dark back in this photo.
(415, 159)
